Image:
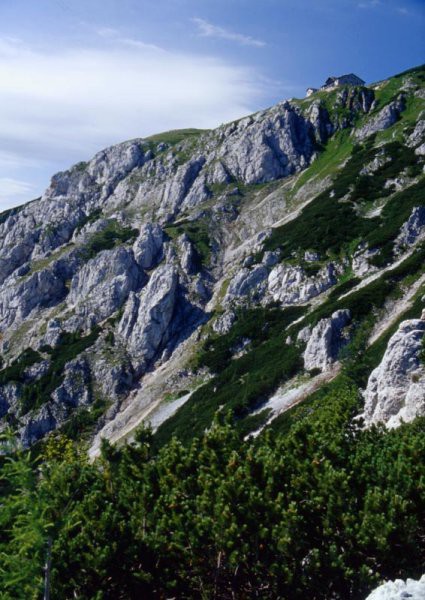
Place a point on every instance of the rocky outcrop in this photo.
(326, 341)
(103, 284)
(144, 326)
(395, 390)
(289, 284)
(384, 119)
(148, 246)
(188, 257)
(361, 261)
(412, 230)
(75, 389)
(20, 298)
(224, 322)
(400, 590)
(247, 284)
(9, 398)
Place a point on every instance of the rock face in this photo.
(412, 230)
(248, 283)
(384, 119)
(400, 590)
(291, 285)
(395, 391)
(103, 284)
(145, 323)
(148, 246)
(326, 341)
(20, 298)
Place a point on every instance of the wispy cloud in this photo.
(369, 4)
(14, 190)
(61, 106)
(207, 29)
(115, 36)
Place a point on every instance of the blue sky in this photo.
(78, 75)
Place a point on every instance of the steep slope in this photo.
(191, 272)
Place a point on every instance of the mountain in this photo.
(268, 274)
(168, 267)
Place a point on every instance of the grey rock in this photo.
(361, 264)
(247, 283)
(36, 371)
(268, 145)
(399, 589)
(53, 333)
(103, 284)
(395, 390)
(412, 230)
(271, 258)
(187, 255)
(311, 256)
(304, 334)
(289, 284)
(144, 326)
(75, 388)
(417, 137)
(148, 248)
(9, 398)
(36, 425)
(326, 341)
(21, 297)
(224, 322)
(384, 119)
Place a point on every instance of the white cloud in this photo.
(13, 191)
(66, 104)
(369, 4)
(207, 29)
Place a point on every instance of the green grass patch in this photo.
(111, 236)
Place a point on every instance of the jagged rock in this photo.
(177, 188)
(319, 118)
(271, 258)
(412, 230)
(326, 341)
(417, 136)
(103, 284)
(311, 256)
(114, 380)
(53, 333)
(247, 283)
(420, 150)
(9, 398)
(39, 290)
(361, 264)
(75, 388)
(304, 334)
(37, 370)
(148, 246)
(384, 119)
(379, 161)
(38, 424)
(144, 326)
(268, 145)
(400, 590)
(224, 323)
(395, 390)
(289, 284)
(187, 255)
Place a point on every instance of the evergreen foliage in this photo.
(315, 508)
